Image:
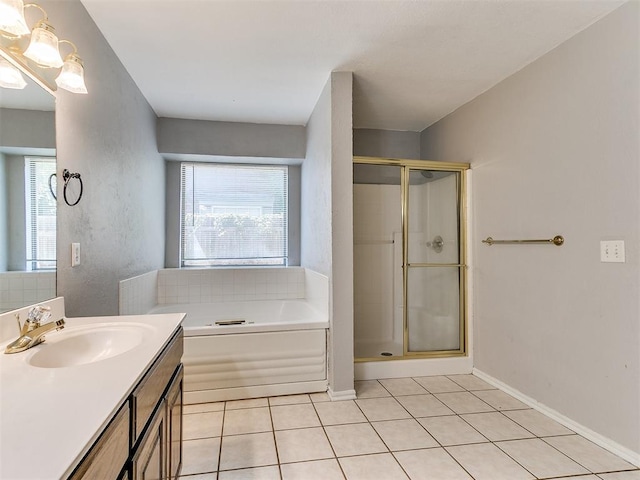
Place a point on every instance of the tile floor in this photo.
(442, 428)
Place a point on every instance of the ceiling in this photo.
(266, 61)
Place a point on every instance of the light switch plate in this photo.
(612, 251)
(75, 254)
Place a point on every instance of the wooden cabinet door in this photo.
(150, 461)
(174, 425)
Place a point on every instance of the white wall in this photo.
(109, 137)
(554, 150)
(326, 226)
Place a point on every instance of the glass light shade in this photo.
(12, 17)
(71, 76)
(10, 76)
(43, 48)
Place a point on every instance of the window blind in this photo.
(233, 214)
(40, 214)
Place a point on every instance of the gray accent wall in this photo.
(201, 137)
(327, 218)
(554, 150)
(109, 137)
(27, 129)
(369, 142)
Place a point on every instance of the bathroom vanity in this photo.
(100, 399)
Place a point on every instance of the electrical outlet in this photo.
(612, 251)
(75, 254)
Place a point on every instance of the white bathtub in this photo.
(280, 349)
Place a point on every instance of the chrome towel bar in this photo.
(557, 240)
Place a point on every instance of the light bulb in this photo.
(10, 76)
(43, 48)
(12, 19)
(71, 76)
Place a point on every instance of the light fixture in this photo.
(10, 76)
(12, 21)
(43, 48)
(71, 76)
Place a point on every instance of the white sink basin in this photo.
(83, 344)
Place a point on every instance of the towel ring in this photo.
(51, 189)
(67, 176)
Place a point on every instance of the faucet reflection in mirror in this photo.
(43, 48)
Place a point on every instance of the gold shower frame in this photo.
(406, 166)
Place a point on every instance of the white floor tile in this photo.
(485, 461)
(294, 416)
(634, 475)
(500, 400)
(355, 439)
(249, 403)
(438, 384)
(434, 463)
(200, 456)
(451, 430)
(202, 476)
(302, 444)
(319, 397)
(260, 473)
(588, 454)
(289, 400)
(538, 423)
(496, 427)
(470, 382)
(244, 451)
(464, 402)
(541, 459)
(316, 470)
(203, 407)
(424, 406)
(378, 409)
(246, 420)
(370, 389)
(404, 435)
(202, 425)
(402, 386)
(336, 413)
(370, 467)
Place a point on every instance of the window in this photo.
(40, 214)
(233, 214)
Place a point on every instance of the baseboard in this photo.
(341, 395)
(604, 442)
(255, 391)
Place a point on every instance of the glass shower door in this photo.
(434, 276)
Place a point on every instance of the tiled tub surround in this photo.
(443, 428)
(25, 288)
(230, 284)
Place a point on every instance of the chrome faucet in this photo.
(33, 330)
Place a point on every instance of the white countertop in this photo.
(49, 417)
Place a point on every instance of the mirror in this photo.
(27, 206)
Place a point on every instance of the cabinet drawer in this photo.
(110, 452)
(148, 393)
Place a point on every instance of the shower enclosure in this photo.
(409, 258)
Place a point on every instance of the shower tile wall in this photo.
(139, 294)
(230, 284)
(377, 263)
(24, 288)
